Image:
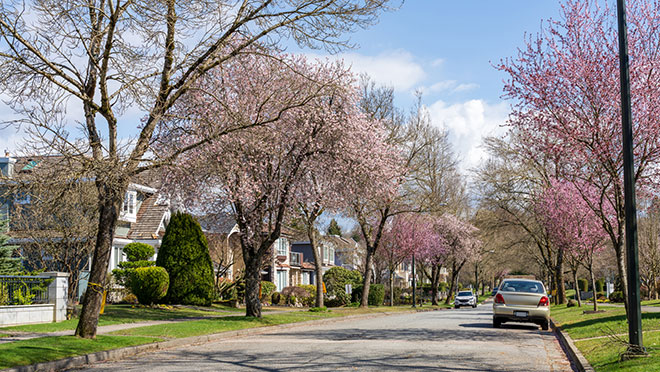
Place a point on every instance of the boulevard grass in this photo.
(45, 349)
(601, 336)
(121, 314)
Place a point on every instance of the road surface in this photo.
(450, 340)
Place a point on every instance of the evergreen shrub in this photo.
(267, 289)
(149, 284)
(376, 294)
(185, 255)
(583, 284)
(138, 251)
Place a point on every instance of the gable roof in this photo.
(148, 219)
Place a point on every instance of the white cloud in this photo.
(466, 87)
(396, 68)
(450, 87)
(468, 122)
(438, 62)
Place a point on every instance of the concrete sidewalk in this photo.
(19, 335)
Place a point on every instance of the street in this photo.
(451, 340)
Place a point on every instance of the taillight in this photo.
(499, 299)
(544, 301)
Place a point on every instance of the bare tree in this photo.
(108, 57)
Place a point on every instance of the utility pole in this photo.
(636, 346)
(414, 283)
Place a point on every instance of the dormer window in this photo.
(128, 207)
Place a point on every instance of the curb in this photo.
(130, 351)
(571, 350)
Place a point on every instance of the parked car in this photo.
(465, 298)
(523, 301)
(494, 292)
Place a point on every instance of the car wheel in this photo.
(545, 326)
(456, 306)
(473, 306)
(497, 323)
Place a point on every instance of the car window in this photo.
(522, 286)
(465, 293)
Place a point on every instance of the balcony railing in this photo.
(295, 259)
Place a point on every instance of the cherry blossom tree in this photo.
(406, 235)
(432, 253)
(292, 157)
(105, 58)
(573, 226)
(565, 86)
(461, 245)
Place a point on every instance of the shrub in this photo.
(337, 277)
(292, 300)
(4, 295)
(294, 295)
(583, 284)
(267, 289)
(571, 303)
(600, 285)
(275, 298)
(129, 299)
(321, 309)
(149, 284)
(376, 294)
(138, 251)
(310, 299)
(123, 273)
(616, 296)
(184, 254)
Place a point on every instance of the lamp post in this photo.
(636, 346)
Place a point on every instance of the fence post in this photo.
(57, 293)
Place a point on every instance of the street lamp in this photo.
(636, 346)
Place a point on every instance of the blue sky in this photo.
(443, 48)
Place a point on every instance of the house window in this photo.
(306, 277)
(281, 245)
(281, 280)
(325, 254)
(129, 203)
(331, 259)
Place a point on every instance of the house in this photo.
(143, 215)
(223, 238)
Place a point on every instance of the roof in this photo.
(148, 219)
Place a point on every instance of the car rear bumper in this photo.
(533, 315)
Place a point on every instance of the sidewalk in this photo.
(18, 335)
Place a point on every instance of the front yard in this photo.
(601, 336)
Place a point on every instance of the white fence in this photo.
(53, 311)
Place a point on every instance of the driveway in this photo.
(450, 340)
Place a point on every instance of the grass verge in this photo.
(120, 314)
(20, 353)
(594, 336)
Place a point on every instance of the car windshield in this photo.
(521, 286)
(465, 293)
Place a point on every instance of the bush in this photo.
(321, 309)
(138, 251)
(129, 299)
(123, 273)
(616, 296)
(275, 298)
(583, 284)
(149, 284)
(267, 289)
(337, 277)
(310, 299)
(184, 253)
(294, 295)
(600, 285)
(571, 303)
(376, 294)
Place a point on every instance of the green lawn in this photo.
(651, 303)
(19, 353)
(119, 314)
(603, 353)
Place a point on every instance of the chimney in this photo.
(7, 165)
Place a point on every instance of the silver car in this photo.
(465, 298)
(521, 300)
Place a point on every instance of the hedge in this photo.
(138, 251)
(376, 294)
(149, 284)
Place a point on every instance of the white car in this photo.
(465, 298)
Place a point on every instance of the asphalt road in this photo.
(451, 340)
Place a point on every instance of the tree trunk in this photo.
(391, 287)
(621, 268)
(559, 278)
(366, 283)
(577, 288)
(593, 286)
(435, 282)
(452, 284)
(318, 265)
(252, 281)
(110, 201)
